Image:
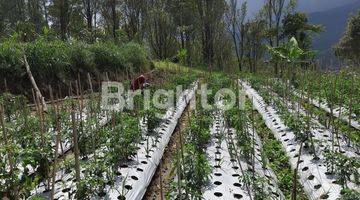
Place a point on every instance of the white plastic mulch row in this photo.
(264, 171)
(324, 135)
(225, 178)
(227, 172)
(341, 113)
(312, 172)
(145, 166)
(132, 178)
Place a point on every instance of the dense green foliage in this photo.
(348, 46)
(55, 61)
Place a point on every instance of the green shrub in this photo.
(48, 59)
(54, 61)
(107, 56)
(81, 58)
(135, 56)
(10, 55)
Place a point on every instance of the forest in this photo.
(259, 116)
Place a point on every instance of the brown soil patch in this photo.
(163, 172)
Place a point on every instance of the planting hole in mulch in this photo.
(328, 173)
(235, 167)
(317, 186)
(237, 184)
(235, 175)
(305, 169)
(139, 169)
(134, 178)
(276, 194)
(311, 177)
(238, 196)
(218, 194)
(102, 194)
(144, 162)
(128, 187)
(218, 174)
(316, 158)
(66, 190)
(324, 196)
(217, 183)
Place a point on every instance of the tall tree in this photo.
(46, 12)
(64, 18)
(134, 11)
(235, 20)
(35, 14)
(89, 9)
(296, 25)
(211, 13)
(348, 46)
(274, 13)
(254, 36)
(161, 29)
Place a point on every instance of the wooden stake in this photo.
(57, 142)
(75, 141)
(33, 83)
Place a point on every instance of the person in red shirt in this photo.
(139, 83)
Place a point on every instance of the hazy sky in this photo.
(303, 5)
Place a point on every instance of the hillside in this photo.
(334, 21)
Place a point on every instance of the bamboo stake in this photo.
(90, 83)
(9, 150)
(75, 141)
(294, 189)
(6, 86)
(33, 82)
(57, 142)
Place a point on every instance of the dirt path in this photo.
(164, 169)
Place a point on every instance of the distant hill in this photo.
(311, 6)
(335, 21)
(308, 6)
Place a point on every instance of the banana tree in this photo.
(291, 53)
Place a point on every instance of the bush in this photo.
(81, 58)
(54, 61)
(10, 55)
(107, 56)
(134, 56)
(48, 60)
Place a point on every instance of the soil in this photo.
(164, 170)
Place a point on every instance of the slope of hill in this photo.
(311, 6)
(308, 6)
(334, 21)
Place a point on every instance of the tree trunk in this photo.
(88, 14)
(45, 13)
(64, 9)
(115, 22)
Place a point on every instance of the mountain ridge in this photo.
(334, 22)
